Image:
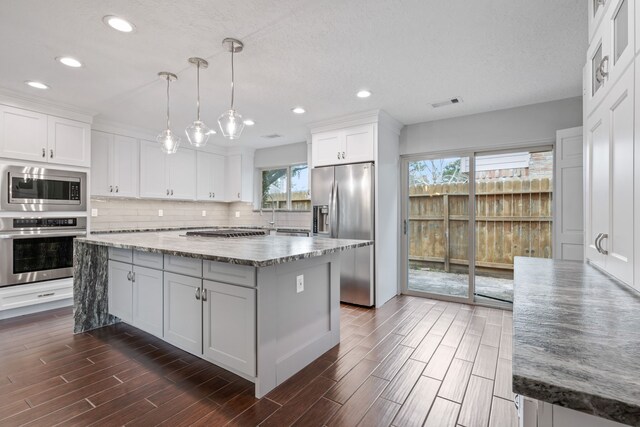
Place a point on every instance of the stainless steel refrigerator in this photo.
(342, 199)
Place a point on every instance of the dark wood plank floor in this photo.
(413, 362)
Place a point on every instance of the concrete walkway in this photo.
(456, 284)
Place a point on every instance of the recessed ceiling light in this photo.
(298, 110)
(37, 85)
(363, 93)
(249, 122)
(118, 23)
(69, 61)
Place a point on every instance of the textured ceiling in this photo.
(494, 54)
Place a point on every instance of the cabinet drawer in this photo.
(228, 273)
(183, 265)
(22, 296)
(122, 255)
(148, 259)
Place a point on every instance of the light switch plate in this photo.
(204, 213)
(160, 212)
(299, 283)
(94, 212)
(237, 214)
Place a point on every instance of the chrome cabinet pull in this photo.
(129, 276)
(338, 154)
(172, 192)
(204, 295)
(238, 195)
(48, 294)
(167, 192)
(133, 277)
(602, 250)
(117, 189)
(596, 243)
(44, 153)
(198, 294)
(51, 154)
(213, 195)
(343, 154)
(111, 189)
(601, 72)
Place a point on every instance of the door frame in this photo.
(404, 191)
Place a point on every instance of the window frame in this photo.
(288, 208)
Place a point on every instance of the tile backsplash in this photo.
(135, 214)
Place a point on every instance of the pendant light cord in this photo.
(168, 100)
(232, 73)
(198, 85)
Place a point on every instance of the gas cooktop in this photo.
(226, 233)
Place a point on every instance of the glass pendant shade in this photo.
(169, 142)
(198, 133)
(231, 124)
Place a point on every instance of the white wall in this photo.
(281, 155)
(533, 124)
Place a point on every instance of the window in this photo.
(286, 188)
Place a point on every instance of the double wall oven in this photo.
(37, 247)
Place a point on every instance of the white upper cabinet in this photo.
(114, 165)
(350, 145)
(181, 170)
(596, 12)
(153, 177)
(23, 134)
(211, 176)
(239, 178)
(69, 142)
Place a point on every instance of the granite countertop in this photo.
(576, 339)
(146, 230)
(258, 251)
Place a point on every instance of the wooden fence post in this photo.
(445, 205)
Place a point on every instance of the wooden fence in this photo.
(513, 218)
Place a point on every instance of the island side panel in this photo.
(295, 328)
(90, 287)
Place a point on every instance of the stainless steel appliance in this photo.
(37, 189)
(36, 249)
(342, 201)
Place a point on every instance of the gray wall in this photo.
(281, 155)
(535, 123)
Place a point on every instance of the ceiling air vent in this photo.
(272, 136)
(456, 100)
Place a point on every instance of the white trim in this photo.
(377, 117)
(14, 99)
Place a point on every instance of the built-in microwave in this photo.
(38, 189)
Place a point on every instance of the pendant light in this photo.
(198, 133)
(169, 142)
(231, 123)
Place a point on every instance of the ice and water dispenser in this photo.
(321, 219)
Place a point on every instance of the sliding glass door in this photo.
(466, 217)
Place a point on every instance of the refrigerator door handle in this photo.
(336, 198)
(332, 211)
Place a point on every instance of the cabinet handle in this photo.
(209, 195)
(204, 295)
(238, 195)
(167, 192)
(343, 154)
(213, 195)
(129, 276)
(44, 153)
(600, 2)
(133, 277)
(111, 189)
(602, 73)
(599, 243)
(198, 294)
(338, 155)
(51, 154)
(117, 189)
(172, 192)
(48, 294)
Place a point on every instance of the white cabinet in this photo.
(350, 145)
(230, 325)
(610, 181)
(68, 142)
(114, 165)
(28, 135)
(183, 312)
(167, 176)
(211, 170)
(147, 300)
(597, 10)
(120, 291)
(239, 178)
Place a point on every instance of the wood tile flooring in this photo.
(413, 362)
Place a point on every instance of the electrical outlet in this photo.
(299, 283)
(160, 212)
(204, 213)
(237, 214)
(94, 212)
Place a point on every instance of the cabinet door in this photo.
(234, 178)
(358, 144)
(147, 300)
(620, 23)
(596, 12)
(597, 191)
(120, 290)
(181, 168)
(598, 56)
(183, 312)
(218, 174)
(69, 142)
(23, 134)
(619, 244)
(204, 178)
(230, 325)
(101, 152)
(327, 148)
(153, 176)
(125, 166)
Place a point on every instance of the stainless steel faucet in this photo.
(272, 223)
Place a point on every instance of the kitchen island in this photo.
(576, 345)
(262, 307)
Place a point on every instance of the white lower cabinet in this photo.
(183, 312)
(120, 290)
(230, 325)
(147, 300)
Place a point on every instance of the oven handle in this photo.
(45, 234)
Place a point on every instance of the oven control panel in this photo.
(74, 191)
(44, 222)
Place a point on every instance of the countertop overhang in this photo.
(576, 339)
(259, 251)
